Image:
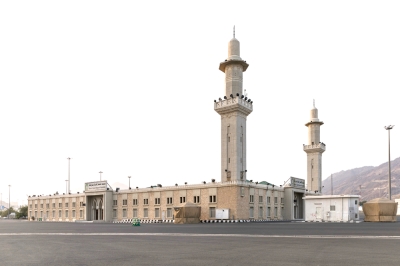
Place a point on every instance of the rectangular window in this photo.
(251, 212)
(260, 212)
(47, 214)
(182, 199)
(66, 214)
(146, 201)
(47, 205)
(134, 202)
(125, 202)
(115, 202)
(269, 200)
(54, 214)
(169, 200)
(157, 213)
(275, 200)
(53, 205)
(282, 200)
(251, 198)
(35, 206)
(81, 204)
(73, 204)
(73, 213)
(276, 212)
(81, 214)
(333, 208)
(213, 198)
(269, 212)
(196, 199)
(114, 213)
(66, 205)
(260, 199)
(169, 212)
(242, 191)
(41, 205)
(59, 205)
(145, 213)
(59, 214)
(30, 206)
(124, 213)
(134, 213)
(355, 202)
(157, 201)
(35, 214)
(41, 214)
(212, 212)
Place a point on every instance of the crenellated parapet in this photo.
(233, 104)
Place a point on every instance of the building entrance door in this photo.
(97, 208)
(318, 213)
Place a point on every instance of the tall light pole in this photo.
(66, 187)
(69, 180)
(388, 128)
(100, 174)
(9, 202)
(129, 182)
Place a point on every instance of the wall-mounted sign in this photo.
(95, 186)
(297, 182)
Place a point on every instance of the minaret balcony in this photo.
(320, 147)
(233, 104)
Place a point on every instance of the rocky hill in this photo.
(368, 181)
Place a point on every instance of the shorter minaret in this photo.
(314, 151)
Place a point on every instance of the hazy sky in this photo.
(127, 88)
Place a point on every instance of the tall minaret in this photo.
(234, 109)
(314, 151)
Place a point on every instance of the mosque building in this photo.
(238, 197)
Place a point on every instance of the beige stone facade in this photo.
(245, 200)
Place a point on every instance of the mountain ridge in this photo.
(368, 181)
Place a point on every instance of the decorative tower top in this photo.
(314, 113)
(233, 67)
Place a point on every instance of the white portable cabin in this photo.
(332, 208)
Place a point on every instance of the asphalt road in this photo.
(296, 243)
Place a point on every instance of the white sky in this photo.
(127, 88)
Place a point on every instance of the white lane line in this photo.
(203, 235)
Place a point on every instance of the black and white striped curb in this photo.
(351, 221)
(202, 221)
(126, 221)
(242, 221)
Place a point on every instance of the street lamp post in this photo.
(69, 180)
(129, 182)
(100, 174)
(388, 128)
(9, 202)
